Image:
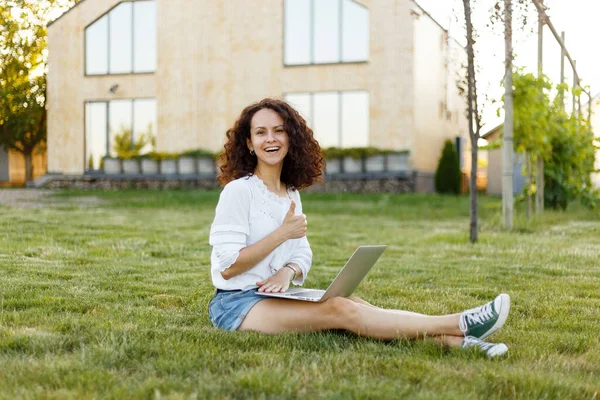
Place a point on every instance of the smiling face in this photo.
(268, 139)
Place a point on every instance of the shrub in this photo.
(158, 156)
(125, 149)
(448, 175)
(198, 153)
(356, 152)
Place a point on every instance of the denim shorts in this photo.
(227, 310)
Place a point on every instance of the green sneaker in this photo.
(491, 349)
(482, 321)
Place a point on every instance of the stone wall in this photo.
(400, 184)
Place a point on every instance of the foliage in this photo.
(571, 161)
(23, 42)
(197, 153)
(124, 147)
(542, 128)
(358, 152)
(448, 175)
(159, 155)
(531, 114)
(22, 83)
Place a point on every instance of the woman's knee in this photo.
(344, 310)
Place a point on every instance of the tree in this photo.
(532, 109)
(503, 12)
(571, 159)
(23, 42)
(448, 175)
(473, 117)
(544, 131)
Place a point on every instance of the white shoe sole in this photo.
(502, 315)
(498, 350)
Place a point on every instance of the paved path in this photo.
(26, 198)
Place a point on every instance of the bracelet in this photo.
(293, 269)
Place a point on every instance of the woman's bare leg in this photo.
(280, 315)
(445, 340)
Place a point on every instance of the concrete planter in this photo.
(149, 166)
(168, 166)
(333, 166)
(130, 166)
(397, 162)
(375, 163)
(112, 166)
(206, 165)
(187, 165)
(352, 165)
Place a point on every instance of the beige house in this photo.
(363, 72)
(494, 166)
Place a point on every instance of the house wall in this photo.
(69, 88)
(439, 110)
(215, 57)
(494, 174)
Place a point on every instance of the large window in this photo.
(338, 119)
(123, 41)
(104, 120)
(325, 32)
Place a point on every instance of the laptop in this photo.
(345, 282)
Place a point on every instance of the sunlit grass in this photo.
(106, 298)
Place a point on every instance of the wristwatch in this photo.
(293, 269)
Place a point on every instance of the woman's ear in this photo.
(249, 144)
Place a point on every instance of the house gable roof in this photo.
(435, 21)
(491, 133)
(63, 14)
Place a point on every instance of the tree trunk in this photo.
(507, 143)
(473, 225)
(539, 186)
(472, 112)
(539, 180)
(28, 167)
(529, 185)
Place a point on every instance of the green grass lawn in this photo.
(104, 295)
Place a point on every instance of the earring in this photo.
(251, 152)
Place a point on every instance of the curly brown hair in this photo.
(303, 164)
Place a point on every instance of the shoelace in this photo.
(480, 316)
(485, 346)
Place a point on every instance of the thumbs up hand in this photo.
(294, 226)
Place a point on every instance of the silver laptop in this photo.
(345, 282)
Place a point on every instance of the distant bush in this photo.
(448, 175)
(198, 153)
(124, 147)
(158, 155)
(357, 152)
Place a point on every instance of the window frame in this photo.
(107, 124)
(107, 15)
(312, 36)
(340, 133)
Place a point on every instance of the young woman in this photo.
(259, 244)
